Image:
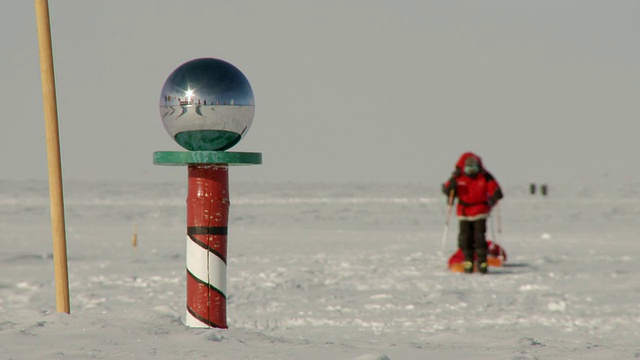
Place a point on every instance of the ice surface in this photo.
(323, 271)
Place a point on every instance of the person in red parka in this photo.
(477, 192)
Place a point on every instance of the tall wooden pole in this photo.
(53, 156)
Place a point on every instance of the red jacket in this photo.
(476, 193)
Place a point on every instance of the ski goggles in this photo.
(471, 169)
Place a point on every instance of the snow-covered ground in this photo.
(323, 271)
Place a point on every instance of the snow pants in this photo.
(472, 239)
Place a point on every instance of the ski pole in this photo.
(492, 225)
(499, 218)
(446, 222)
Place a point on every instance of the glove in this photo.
(451, 184)
(497, 195)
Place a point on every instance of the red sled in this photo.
(496, 257)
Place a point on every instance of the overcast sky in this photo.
(386, 91)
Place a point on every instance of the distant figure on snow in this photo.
(477, 192)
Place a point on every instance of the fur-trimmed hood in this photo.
(464, 157)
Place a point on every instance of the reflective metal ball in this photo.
(207, 105)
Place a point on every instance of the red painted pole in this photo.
(207, 220)
(207, 132)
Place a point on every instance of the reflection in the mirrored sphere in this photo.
(207, 105)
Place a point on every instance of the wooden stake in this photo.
(134, 241)
(53, 156)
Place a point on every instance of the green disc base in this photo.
(206, 157)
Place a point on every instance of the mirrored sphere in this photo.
(207, 105)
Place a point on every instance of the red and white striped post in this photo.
(207, 223)
(207, 220)
(207, 131)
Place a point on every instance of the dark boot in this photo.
(468, 266)
(483, 267)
